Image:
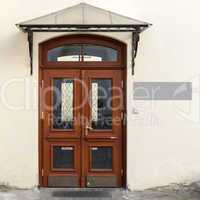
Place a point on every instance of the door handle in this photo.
(86, 130)
(88, 127)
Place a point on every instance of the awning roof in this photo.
(83, 17)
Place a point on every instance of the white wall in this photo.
(163, 138)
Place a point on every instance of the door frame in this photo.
(121, 65)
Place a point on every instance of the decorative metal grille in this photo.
(94, 101)
(67, 100)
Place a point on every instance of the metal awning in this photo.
(84, 18)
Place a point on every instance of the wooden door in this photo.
(102, 130)
(82, 128)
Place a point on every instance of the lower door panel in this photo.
(63, 181)
(102, 166)
(102, 181)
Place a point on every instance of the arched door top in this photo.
(82, 51)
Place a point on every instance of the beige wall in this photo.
(163, 138)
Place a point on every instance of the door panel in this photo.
(82, 128)
(61, 128)
(61, 96)
(103, 163)
(62, 163)
(103, 110)
(102, 128)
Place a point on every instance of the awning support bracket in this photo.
(135, 41)
(30, 46)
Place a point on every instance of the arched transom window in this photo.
(82, 52)
(72, 50)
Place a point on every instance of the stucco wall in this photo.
(163, 138)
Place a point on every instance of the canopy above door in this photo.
(84, 18)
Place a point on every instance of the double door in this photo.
(81, 128)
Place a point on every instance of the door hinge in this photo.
(122, 172)
(122, 84)
(122, 115)
(42, 115)
(42, 172)
(42, 83)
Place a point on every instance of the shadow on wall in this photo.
(14, 56)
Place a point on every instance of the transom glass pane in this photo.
(101, 157)
(101, 104)
(65, 53)
(77, 52)
(63, 103)
(99, 53)
(63, 157)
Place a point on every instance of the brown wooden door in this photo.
(82, 128)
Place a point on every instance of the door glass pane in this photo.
(65, 53)
(98, 53)
(101, 104)
(63, 103)
(101, 157)
(63, 157)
